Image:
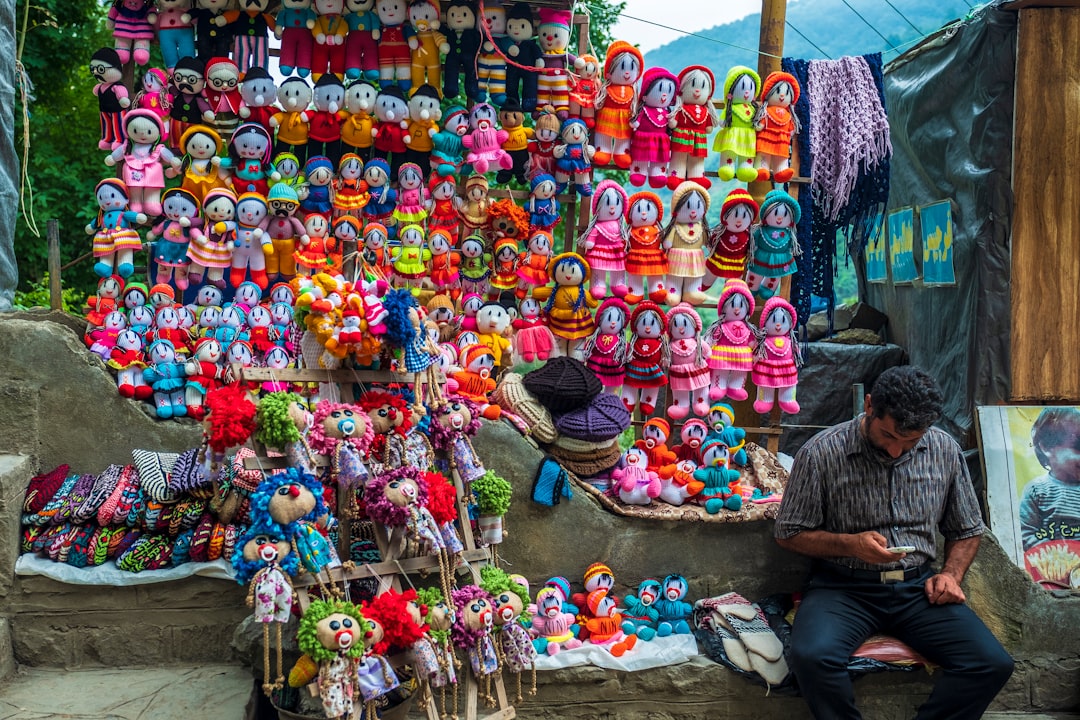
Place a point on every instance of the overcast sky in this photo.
(686, 15)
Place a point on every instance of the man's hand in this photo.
(870, 547)
(942, 589)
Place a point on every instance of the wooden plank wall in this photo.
(1046, 222)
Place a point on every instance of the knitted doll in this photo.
(412, 196)
(552, 624)
(721, 422)
(112, 95)
(250, 29)
(410, 258)
(318, 254)
(252, 244)
(424, 114)
(115, 239)
(349, 191)
(646, 264)
(223, 95)
(101, 340)
(654, 437)
(720, 491)
(361, 44)
(356, 130)
(443, 265)
(775, 244)
(471, 632)
(448, 152)
(516, 145)
(605, 351)
(733, 341)
(650, 144)
(605, 239)
(326, 118)
(282, 228)
(475, 265)
(689, 374)
(622, 69)
(380, 206)
(331, 633)
(736, 141)
(464, 40)
(426, 45)
(491, 63)
(695, 119)
(510, 600)
(205, 371)
(568, 304)
(131, 29)
(584, 89)
(154, 96)
(573, 157)
(248, 163)
(731, 242)
(212, 249)
(524, 51)
(778, 357)
(532, 339)
(330, 31)
(504, 267)
(442, 206)
(470, 305)
(605, 625)
(636, 484)
(391, 421)
(433, 655)
(639, 616)
(167, 327)
(684, 238)
(775, 124)
(404, 331)
(532, 264)
(176, 36)
(293, 25)
(201, 166)
(166, 376)
(142, 153)
(553, 34)
(543, 206)
(291, 123)
(693, 433)
(677, 483)
(452, 425)
(395, 59)
(646, 358)
(315, 192)
(211, 39)
(392, 114)
(291, 505)
(474, 380)
(673, 611)
(187, 88)
(484, 140)
(128, 361)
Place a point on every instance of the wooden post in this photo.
(56, 300)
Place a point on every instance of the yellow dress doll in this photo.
(569, 305)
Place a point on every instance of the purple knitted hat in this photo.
(604, 418)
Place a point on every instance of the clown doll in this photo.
(695, 119)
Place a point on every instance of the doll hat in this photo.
(613, 302)
(216, 62)
(654, 74)
(204, 130)
(594, 599)
(251, 196)
(374, 226)
(541, 178)
(563, 384)
(561, 257)
(694, 422)
(774, 77)
(560, 584)
(689, 186)
(327, 80)
(256, 73)
(349, 220)
(475, 181)
(108, 55)
(186, 194)
(711, 442)
(165, 289)
(735, 73)
(512, 395)
(471, 353)
(605, 185)
(732, 286)
(660, 423)
(376, 163)
(643, 307)
(131, 286)
(646, 195)
(550, 16)
(738, 196)
(778, 302)
(282, 191)
(145, 113)
(725, 409)
(597, 568)
(317, 162)
(776, 197)
(216, 193)
(520, 11)
(440, 302)
(116, 183)
(617, 48)
(684, 309)
(505, 242)
(454, 111)
(690, 68)
(412, 166)
(604, 418)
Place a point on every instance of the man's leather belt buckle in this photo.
(892, 576)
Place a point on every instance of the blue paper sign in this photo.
(937, 243)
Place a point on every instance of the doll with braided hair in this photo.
(433, 654)
(514, 646)
(451, 427)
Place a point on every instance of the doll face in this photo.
(344, 423)
(129, 340)
(329, 7)
(162, 352)
(569, 273)
(167, 319)
(115, 320)
(625, 70)
(600, 581)
(590, 67)
(281, 313)
(460, 17)
(390, 108)
(258, 92)
(241, 354)
(441, 315)
(476, 191)
(186, 318)
(530, 308)
(209, 350)
(660, 94)
(111, 198)
(220, 208)
(216, 5)
(739, 218)
(231, 317)
(423, 16)
(544, 190)
(412, 237)
(351, 169)
(482, 365)
(611, 321)
(507, 253)
(188, 82)
(375, 176)
(360, 97)
(385, 418)
(201, 146)
(359, 6)
(251, 211)
(609, 206)
(482, 117)
(492, 318)
(471, 305)
(345, 231)
(151, 83)
(290, 502)
(440, 616)
(520, 29)
(321, 176)
(635, 457)
(289, 169)
(409, 178)
(457, 124)
(316, 225)
(716, 456)
(277, 359)
(735, 307)
(210, 318)
(478, 614)
(778, 323)
(779, 216)
(495, 19)
(248, 293)
(781, 94)
(540, 244)
(553, 38)
(374, 240)
(141, 316)
(681, 327)
(439, 244)
(223, 77)
(508, 607)
(696, 89)
(649, 325)
(455, 416)
(132, 298)
(392, 12)
(472, 248)
(259, 317)
(466, 339)
(692, 210)
(329, 98)
(744, 90)
(605, 608)
(654, 435)
(282, 293)
(444, 190)
(644, 213)
(574, 133)
(109, 288)
(160, 299)
(105, 72)
(294, 95)
(251, 145)
(694, 433)
(265, 548)
(176, 206)
(424, 107)
(338, 631)
(208, 295)
(142, 130)
(549, 605)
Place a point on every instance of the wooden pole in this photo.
(56, 300)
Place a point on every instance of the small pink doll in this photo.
(155, 97)
(731, 242)
(584, 89)
(684, 239)
(470, 305)
(212, 249)
(173, 234)
(142, 154)
(650, 145)
(128, 361)
(775, 124)
(778, 357)
(532, 338)
(694, 119)
(689, 374)
(573, 157)
(442, 205)
(553, 627)
(605, 351)
(115, 238)
(636, 484)
(622, 69)
(646, 358)
(532, 264)
(646, 264)
(412, 196)
(484, 140)
(733, 342)
(605, 239)
(102, 340)
(129, 21)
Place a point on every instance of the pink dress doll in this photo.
(154, 96)
(484, 140)
(142, 154)
(777, 360)
(733, 341)
(173, 234)
(212, 246)
(646, 358)
(605, 351)
(604, 242)
(412, 195)
(650, 145)
(532, 339)
(688, 372)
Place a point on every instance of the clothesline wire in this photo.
(702, 37)
(812, 43)
(889, 3)
(868, 24)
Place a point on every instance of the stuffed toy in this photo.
(223, 94)
(674, 612)
(474, 210)
(654, 437)
(541, 147)
(568, 305)
(584, 89)
(412, 197)
(205, 372)
(395, 60)
(470, 305)
(474, 379)
(731, 242)
(448, 152)
(343, 434)
(516, 145)
(410, 258)
(532, 264)
(721, 423)
(346, 231)
(552, 624)
(471, 632)
(693, 433)
(133, 294)
(257, 95)
(357, 131)
(491, 62)
(640, 617)
(484, 140)
(573, 157)
(101, 340)
(291, 123)
(523, 50)
(433, 654)
(605, 625)
(398, 498)
(325, 120)
(443, 266)
(733, 341)
(293, 25)
(426, 44)
(162, 295)
(361, 45)
(721, 490)
(504, 268)
(623, 65)
(775, 124)
(493, 327)
(391, 421)
(532, 339)
(736, 141)
(404, 330)
(187, 89)
(141, 155)
(677, 483)
(650, 143)
(250, 30)
(688, 371)
(383, 200)
(166, 376)
(252, 245)
(553, 35)
(646, 358)
(605, 240)
(646, 264)
(510, 599)
(684, 238)
(375, 676)
(259, 322)
(211, 251)
(282, 229)
(332, 633)
(315, 192)
(291, 505)
(597, 576)
(128, 361)
(129, 22)
(424, 114)
(464, 40)
(248, 165)
(452, 426)
(694, 119)
(112, 95)
(636, 484)
(282, 423)
(176, 36)
(442, 206)
(211, 40)
(376, 255)
(200, 165)
(543, 207)
(775, 244)
(282, 326)
(605, 351)
(330, 31)
(154, 96)
(115, 238)
(232, 326)
(167, 327)
(777, 358)
(348, 190)
(392, 113)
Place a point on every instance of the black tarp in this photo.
(9, 164)
(951, 115)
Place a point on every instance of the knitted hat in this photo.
(605, 417)
(328, 80)
(203, 130)
(711, 442)
(565, 442)
(690, 68)
(476, 181)
(733, 286)
(258, 197)
(317, 162)
(654, 74)
(375, 226)
(725, 409)
(738, 196)
(410, 166)
(686, 187)
(42, 488)
(283, 191)
(642, 308)
(188, 473)
(454, 111)
(440, 301)
(217, 62)
(145, 113)
(734, 74)
(617, 48)
(377, 163)
(776, 197)
(661, 423)
(520, 11)
(597, 568)
(593, 600)
(685, 309)
(778, 302)
(115, 183)
(563, 384)
(613, 302)
(212, 195)
(588, 464)
(569, 256)
(352, 222)
(606, 185)
(256, 73)
(110, 56)
(550, 16)
(471, 353)
(136, 285)
(505, 242)
(561, 584)
(651, 197)
(511, 394)
(774, 77)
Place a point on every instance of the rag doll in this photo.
(176, 36)
(688, 371)
(516, 145)
(395, 60)
(646, 264)
(510, 598)
(213, 243)
(775, 244)
(173, 235)
(258, 92)
(471, 633)
(361, 45)
(605, 625)
(433, 655)
(475, 265)
(777, 358)
(543, 207)
(411, 258)
(282, 229)
(330, 31)
(553, 84)
(315, 193)
(532, 339)
(375, 674)
(128, 361)
(650, 144)
(695, 119)
(553, 624)
(568, 305)
(524, 51)
(443, 266)
(636, 484)
(141, 156)
(733, 342)
(639, 616)
(250, 28)
(412, 196)
(584, 88)
(573, 157)
(654, 437)
(357, 131)
(201, 166)
(398, 498)
(693, 433)
(443, 206)
(463, 37)
(484, 140)
(426, 45)
(504, 265)
(622, 70)
(115, 237)
(391, 419)
(332, 634)
(721, 490)
(674, 611)
(542, 146)
(112, 95)
(452, 426)
(404, 330)
(605, 239)
(736, 141)
(132, 31)
(223, 94)
(166, 376)
(101, 340)
(677, 483)
(392, 114)
(380, 206)
(491, 63)
(248, 162)
(684, 238)
(291, 505)
(448, 152)
(349, 191)
(293, 25)
(326, 118)
(532, 264)
(731, 242)
(252, 244)
(205, 371)
(775, 124)
(605, 352)
(646, 358)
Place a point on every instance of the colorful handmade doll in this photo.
(605, 351)
(112, 95)
(381, 204)
(331, 633)
(635, 483)
(504, 268)
(448, 152)
(291, 505)
(532, 263)
(775, 244)
(248, 162)
(605, 625)
(376, 255)
(412, 196)
(721, 490)
(434, 654)
(542, 146)
(604, 240)
(173, 235)
(361, 44)
(543, 207)
(484, 140)
(474, 210)
(573, 157)
(736, 141)
(424, 114)
(397, 498)
(695, 119)
(684, 238)
(166, 376)
(646, 264)
(552, 624)
(101, 340)
(733, 341)
(404, 331)
(654, 438)
(167, 327)
(472, 633)
(293, 25)
(211, 40)
(330, 31)
(376, 675)
(410, 258)
(326, 118)
(688, 372)
(204, 371)
(674, 612)
(128, 361)
(568, 305)
(187, 88)
(211, 251)
(426, 44)
(474, 379)
(584, 89)
(516, 145)
(315, 193)
(200, 165)
(443, 265)
(343, 434)
(491, 63)
(154, 96)
(318, 254)
(523, 51)
(775, 124)
(463, 37)
(349, 192)
(250, 30)
(553, 34)
(650, 144)
(115, 238)
(358, 129)
(223, 94)
(291, 123)
(777, 358)
(282, 229)
(731, 241)
(470, 305)
(252, 244)
(176, 36)
(532, 338)
(646, 358)
(692, 434)
(129, 21)
(622, 69)
(257, 94)
(510, 599)
(394, 57)
(452, 426)
(142, 154)
(677, 483)
(442, 206)
(640, 617)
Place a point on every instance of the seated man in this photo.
(864, 500)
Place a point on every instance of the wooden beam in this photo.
(56, 293)
(1026, 4)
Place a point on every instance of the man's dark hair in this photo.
(909, 396)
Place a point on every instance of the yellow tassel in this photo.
(303, 672)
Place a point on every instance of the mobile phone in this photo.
(901, 549)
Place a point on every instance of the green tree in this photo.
(602, 17)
